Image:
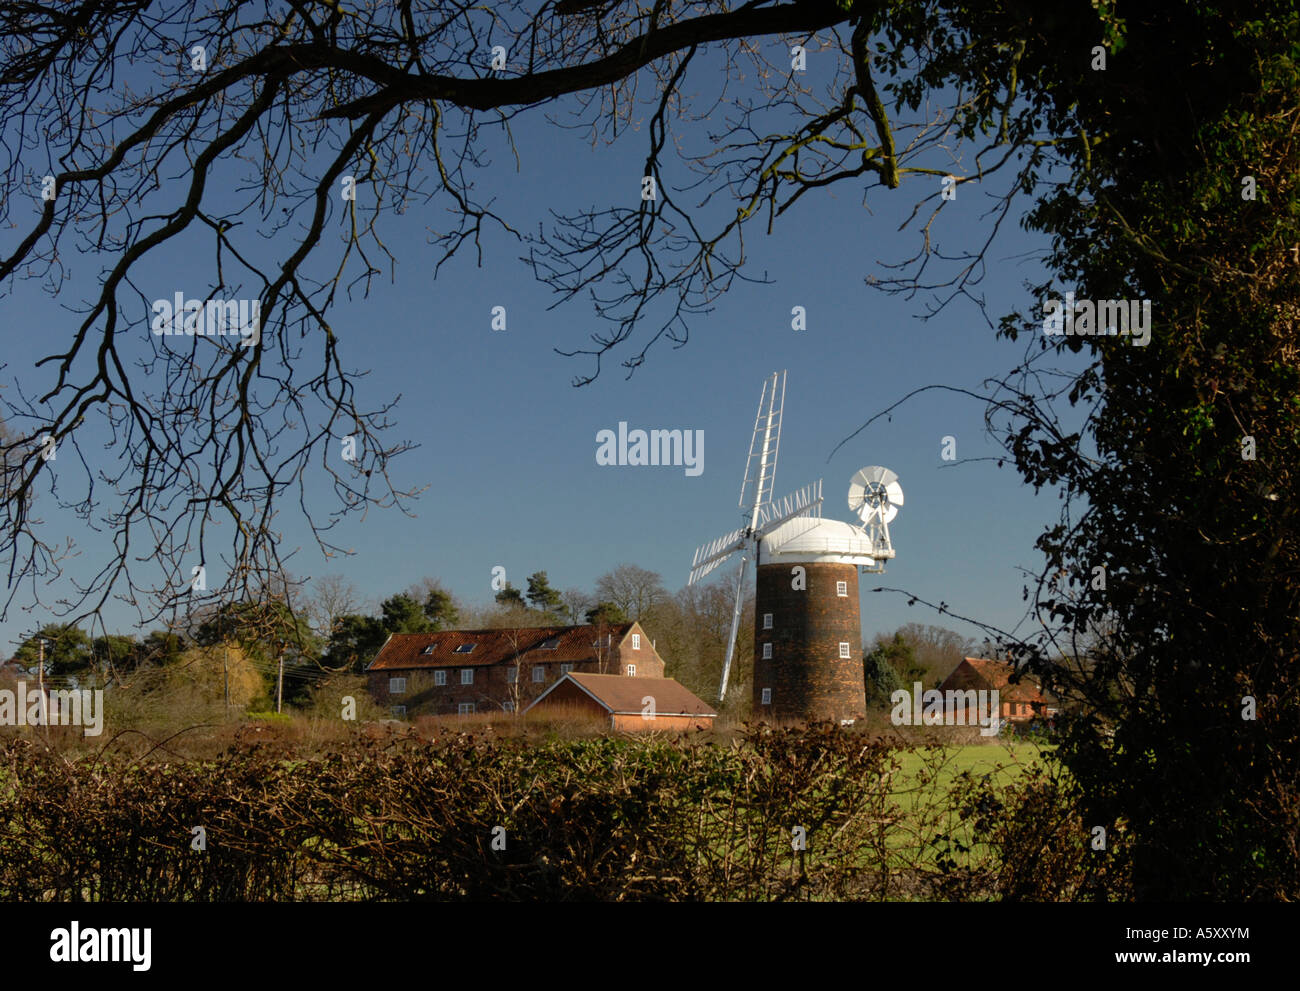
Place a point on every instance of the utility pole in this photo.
(225, 664)
(40, 682)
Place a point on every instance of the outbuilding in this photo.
(632, 704)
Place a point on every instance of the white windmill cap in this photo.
(815, 540)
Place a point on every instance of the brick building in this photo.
(1017, 703)
(631, 704)
(469, 671)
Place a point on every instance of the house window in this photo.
(508, 706)
(767, 696)
(565, 668)
(396, 686)
(539, 672)
(398, 711)
(512, 675)
(767, 620)
(631, 670)
(465, 709)
(467, 676)
(440, 677)
(767, 651)
(427, 650)
(636, 641)
(844, 649)
(842, 589)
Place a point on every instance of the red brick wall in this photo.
(490, 689)
(808, 678)
(647, 660)
(636, 724)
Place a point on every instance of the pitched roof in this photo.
(621, 695)
(571, 643)
(997, 674)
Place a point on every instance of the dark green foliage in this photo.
(880, 669)
(511, 596)
(605, 614)
(542, 597)
(67, 651)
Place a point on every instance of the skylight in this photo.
(427, 650)
(550, 643)
(464, 648)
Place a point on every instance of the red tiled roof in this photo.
(621, 695)
(997, 674)
(404, 651)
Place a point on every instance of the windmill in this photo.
(806, 617)
(761, 514)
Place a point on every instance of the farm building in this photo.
(632, 704)
(459, 672)
(1018, 703)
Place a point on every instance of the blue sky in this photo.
(507, 445)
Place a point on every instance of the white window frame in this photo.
(566, 667)
(767, 620)
(767, 697)
(396, 686)
(508, 706)
(842, 589)
(767, 651)
(512, 675)
(631, 670)
(465, 709)
(440, 677)
(398, 711)
(539, 673)
(636, 641)
(846, 649)
(467, 676)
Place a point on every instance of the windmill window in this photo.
(767, 620)
(440, 677)
(465, 648)
(844, 649)
(767, 696)
(767, 651)
(396, 686)
(842, 589)
(467, 676)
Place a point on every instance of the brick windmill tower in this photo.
(807, 623)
